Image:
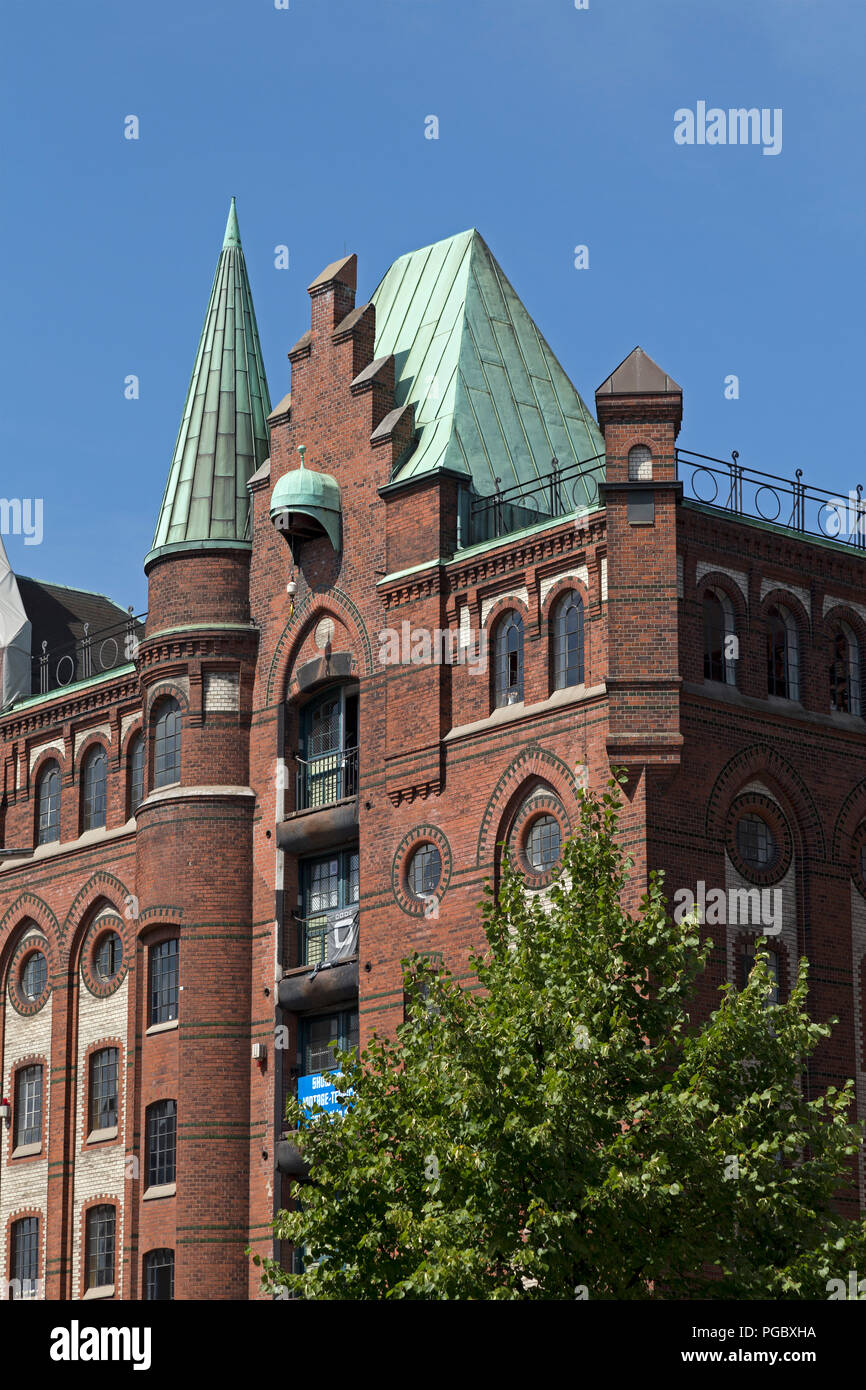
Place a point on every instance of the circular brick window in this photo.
(421, 870)
(537, 835)
(758, 840)
(424, 870)
(103, 966)
(28, 978)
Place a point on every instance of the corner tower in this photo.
(194, 825)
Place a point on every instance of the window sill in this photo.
(102, 1136)
(166, 1027)
(26, 1150)
(102, 1291)
(152, 1194)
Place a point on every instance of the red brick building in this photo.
(393, 623)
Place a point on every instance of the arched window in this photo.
(845, 671)
(568, 641)
(424, 871)
(783, 656)
(95, 781)
(640, 464)
(159, 1275)
(544, 843)
(166, 743)
(48, 805)
(719, 638)
(136, 773)
(508, 689)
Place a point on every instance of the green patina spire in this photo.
(223, 436)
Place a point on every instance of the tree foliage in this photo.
(563, 1130)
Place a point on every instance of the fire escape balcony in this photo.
(326, 802)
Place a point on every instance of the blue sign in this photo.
(319, 1088)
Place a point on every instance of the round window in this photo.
(34, 976)
(544, 843)
(755, 842)
(108, 956)
(424, 872)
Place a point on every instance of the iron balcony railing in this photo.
(91, 655)
(324, 780)
(732, 488)
(329, 935)
(563, 491)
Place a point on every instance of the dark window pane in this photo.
(714, 639)
(425, 870)
(95, 784)
(34, 976)
(108, 956)
(104, 1088)
(161, 1142)
(25, 1257)
(755, 841)
(136, 773)
(100, 1247)
(324, 1036)
(159, 1276)
(28, 1105)
(544, 843)
(166, 748)
(508, 670)
(48, 805)
(164, 973)
(568, 642)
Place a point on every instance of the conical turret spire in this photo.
(223, 436)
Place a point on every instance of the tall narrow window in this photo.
(845, 671)
(325, 1035)
(328, 765)
(28, 1106)
(161, 1143)
(783, 677)
(99, 1253)
(104, 1066)
(159, 1276)
(95, 781)
(136, 773)
(48, 805)
(166, 743)
(25, 1257)
(719, 638)
(568, 642)
(508, 688)
(163, 982)
(330, 887)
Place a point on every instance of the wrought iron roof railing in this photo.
(91, 655)
(563, 491)
(732, 488)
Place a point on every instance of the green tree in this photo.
(565, 1131)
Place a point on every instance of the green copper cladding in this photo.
(316, 495)
(223, 436)
(491, 400)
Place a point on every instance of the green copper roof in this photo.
(223, 437)
(491, 400)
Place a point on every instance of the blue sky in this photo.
(555, 129)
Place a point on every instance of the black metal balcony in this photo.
(327, 779)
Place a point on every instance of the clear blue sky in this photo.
(556, 129)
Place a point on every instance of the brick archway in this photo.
(533, 762)
(765, 764)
